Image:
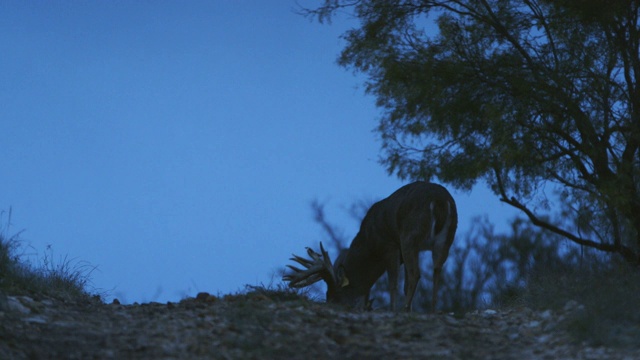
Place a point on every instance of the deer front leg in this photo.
(368, 303)
(393, 266)
(412, 274)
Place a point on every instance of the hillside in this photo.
(270, 324)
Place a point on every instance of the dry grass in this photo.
(65, 278)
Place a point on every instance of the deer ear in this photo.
(342, 277)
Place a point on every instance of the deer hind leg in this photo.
(436, 281)
(440, 252)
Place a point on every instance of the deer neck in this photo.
(362, 265)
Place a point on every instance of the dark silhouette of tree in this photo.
(537, 98)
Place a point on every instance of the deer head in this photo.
(319, 267)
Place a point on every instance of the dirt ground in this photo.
(260, 325)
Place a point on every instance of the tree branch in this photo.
(626, 252)
(330, 230)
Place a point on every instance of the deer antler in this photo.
(317, 268)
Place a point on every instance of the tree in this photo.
(527, 95)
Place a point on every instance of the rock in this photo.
(546, 315)
(205, 297)
(533, 324)
(572, 305)
(14, 304)
(37, 319)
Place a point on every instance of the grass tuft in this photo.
(66, 279)
(279, 293)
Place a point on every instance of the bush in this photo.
(608, 293)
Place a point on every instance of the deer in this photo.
(417, 217)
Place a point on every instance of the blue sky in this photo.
(177, 145)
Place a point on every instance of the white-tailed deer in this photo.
(417, 217)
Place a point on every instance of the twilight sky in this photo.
(177, 145)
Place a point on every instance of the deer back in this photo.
(423, 212)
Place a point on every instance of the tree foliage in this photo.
(525, 95)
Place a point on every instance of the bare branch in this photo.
(626, 252)
(319, 217)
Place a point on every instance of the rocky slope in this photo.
(267, 325)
